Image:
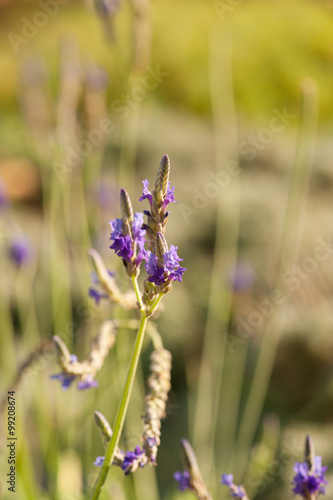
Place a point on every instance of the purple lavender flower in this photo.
(88, 383)
(122, 245)
(241, 278)
(183, 479)
(96, 295)
(99, 461)
(308, 481)
(128, 246)
(236, 491)
(66, 379)
(146, 195)
(130, 457)
(20, 251)
(171, 267)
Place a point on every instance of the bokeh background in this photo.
(239, 94)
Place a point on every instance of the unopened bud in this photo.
(162, 178)
(126, 206)
(103, 427)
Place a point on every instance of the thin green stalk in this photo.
(121, 414)
(271, 335)
(137, 292)
(155, 303)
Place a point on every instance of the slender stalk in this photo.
(121, 414)
(154, 305)
(137, 292)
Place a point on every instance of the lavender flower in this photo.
(66, 379)
(236, 491)
(131, 458)
(20, 251)
(307, 481)
(241, 277)
(147, 195)
(99, 461)
(129, 461)
(169, 271)
(191, 479)
(128, 236)
(183, 478)
(96, 295)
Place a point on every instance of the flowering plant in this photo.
(135, 242)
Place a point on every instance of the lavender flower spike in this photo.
(128, 236)
(158, 201)
(310, 476)
(163, 268)
(235, 491)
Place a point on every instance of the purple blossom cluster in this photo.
(128, 245)
(146, 195)
(20, 250)
(308, 481)
(131, 459)
(171, 269)
(96, 292)
(183, 479)
(236, 491)
(66, 379)
(128, 242)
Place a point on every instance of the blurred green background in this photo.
(209, 83)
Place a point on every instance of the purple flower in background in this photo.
(307, 481)
(20, 251)
(130, 457)
(99, 461)
(241, 278)
(66, 379)
(236, 491)
(171, 267)
(183, 479)
(96, 295)
(88, 383)
(227, 479)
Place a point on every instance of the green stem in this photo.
(154, 305)
(137, 292)
(122, 410)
